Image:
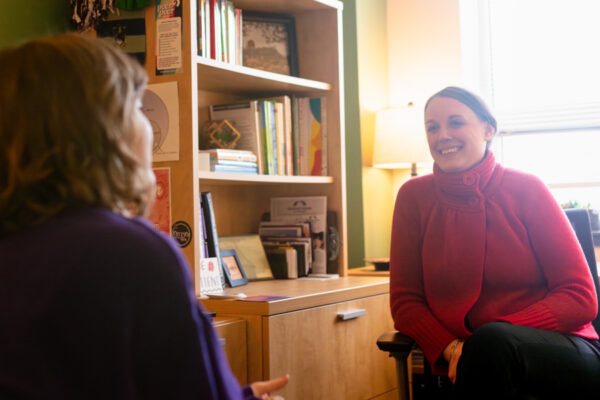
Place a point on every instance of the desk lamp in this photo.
(400, 141)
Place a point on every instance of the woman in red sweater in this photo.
(486, 273)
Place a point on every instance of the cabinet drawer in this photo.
(232, 333)
(330, 351)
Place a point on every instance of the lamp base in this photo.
(413, 169)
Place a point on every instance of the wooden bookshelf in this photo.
(308, 316)
(224, 178)
(219, 76)
(240, 199)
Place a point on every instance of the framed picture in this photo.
(269, 43)
(234, 273)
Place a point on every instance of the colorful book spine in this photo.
(316, 138)
(213, 28)
(273, 134)
(280, 133)
(295, 139)
(265, 124)
(231, 41)
(238, 35)
(223, 31)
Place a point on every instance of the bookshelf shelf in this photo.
(229, 179)
(219, 76)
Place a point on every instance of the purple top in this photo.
(94, 305)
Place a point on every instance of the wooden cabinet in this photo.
(233, 335)
(327, 357)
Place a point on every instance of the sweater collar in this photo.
(465, 189)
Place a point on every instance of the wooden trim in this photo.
(288, 6)
(220, 76)
(229, 178)
(303, 294)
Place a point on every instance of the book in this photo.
(283, 121)
(281, 137)
(313, 135)
(303, 248)
(235, 169)
(221, 155)
(224, 35)
(212, 236)
(213, 10)
(311, 209)
(238, 35)
(283, 230)
(206, 163)
(271, 125)
(266, 137)
(251, 253)
(295, 133)
(200, 26)
(245, 117)
(283, 261)
(231, 26)
(304, 227)
(204, 237)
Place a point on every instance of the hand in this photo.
(452, 354)
(263, 389)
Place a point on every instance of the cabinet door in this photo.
(232, 333)
(327, 357)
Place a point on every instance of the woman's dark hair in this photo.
(471, 100)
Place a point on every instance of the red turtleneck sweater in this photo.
(488, 244)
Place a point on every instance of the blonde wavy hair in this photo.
(67, 130)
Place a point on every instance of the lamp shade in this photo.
(400, 140)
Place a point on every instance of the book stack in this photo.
(220, 31)
(228, 160)
(288, 247)
(310, 210)
(287, 133)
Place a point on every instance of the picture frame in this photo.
(234, 273)
(269, 43)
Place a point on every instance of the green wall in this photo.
(24, 19)
(356, 229)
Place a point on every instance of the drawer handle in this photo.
(346, 315)
(222, 341)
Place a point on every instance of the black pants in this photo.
(504, 361)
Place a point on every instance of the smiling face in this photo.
(457, 137)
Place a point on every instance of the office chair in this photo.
(399, 346)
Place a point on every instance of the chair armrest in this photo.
(395, 342)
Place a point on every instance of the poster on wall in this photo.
(127, 31)
(168, 37)
(160, 213)
(160, 104)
